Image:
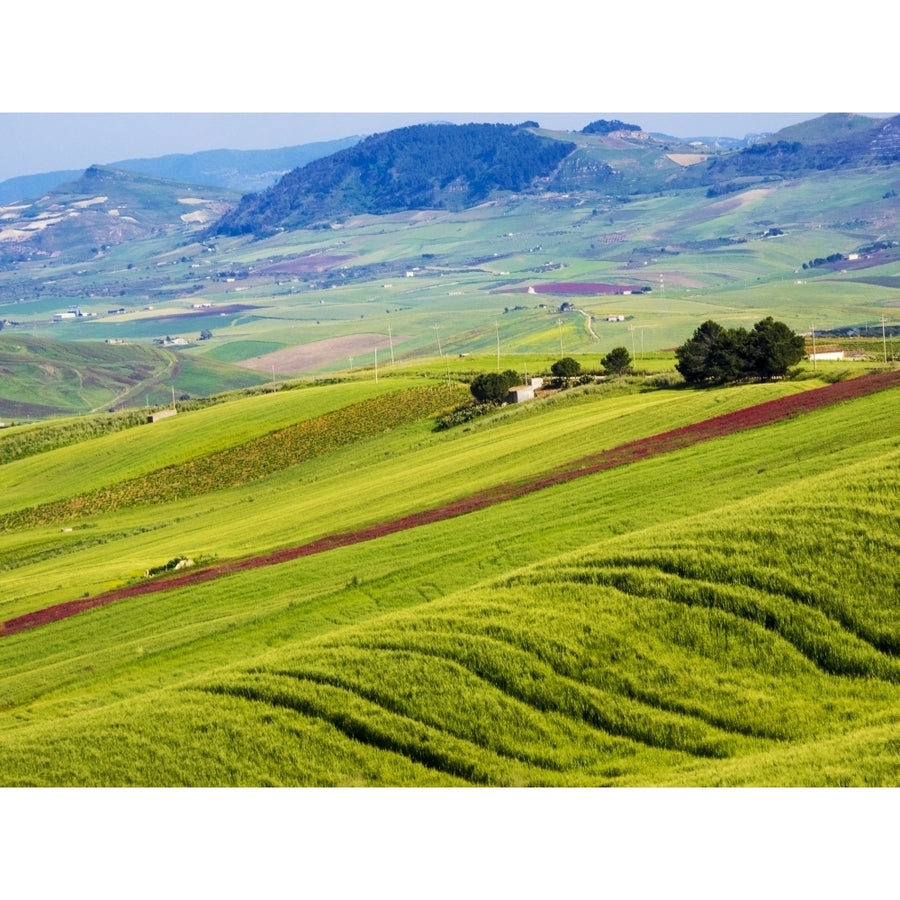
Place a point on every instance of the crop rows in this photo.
(250, 461)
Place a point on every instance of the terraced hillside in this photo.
(720, 613)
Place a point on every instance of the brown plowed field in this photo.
(309, 357)
(679, 438)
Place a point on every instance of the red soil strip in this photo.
(644, 448)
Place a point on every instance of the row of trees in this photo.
(493, 387)
(716, 355)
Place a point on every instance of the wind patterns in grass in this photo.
(624, 664)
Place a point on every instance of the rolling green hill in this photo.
(719, 612)
(81, 219)
(418, 167)
(43, 378)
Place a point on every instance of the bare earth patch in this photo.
(315, 263)
(688, 159)
(725, 206)
(310, 357)
(740, 200)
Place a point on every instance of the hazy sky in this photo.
(43, 142)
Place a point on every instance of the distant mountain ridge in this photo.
(445, 166)
(80, 219)
(830, 142)
(244, 171)
(422, 166)
(430, 166)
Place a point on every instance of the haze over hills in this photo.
(416, 167)
(236, 170)
(104, 207)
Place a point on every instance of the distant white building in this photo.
(522, 392)
(823, 355)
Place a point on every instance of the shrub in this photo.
(462, 414)
(493, 387)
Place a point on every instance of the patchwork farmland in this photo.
(253, 531)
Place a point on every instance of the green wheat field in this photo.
(724, 614)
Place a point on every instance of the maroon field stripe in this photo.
(633, 451)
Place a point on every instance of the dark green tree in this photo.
(714, 355)
(773, 349)
(717, 355)
(566, 367)
(493, 387)
(617, 361)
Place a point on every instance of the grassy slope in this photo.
(45, 377)
(656, 634)
(703, 257)
(349, 488)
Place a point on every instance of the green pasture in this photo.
(721, 614)
(197, 433)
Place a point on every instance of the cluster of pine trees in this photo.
(717, 355)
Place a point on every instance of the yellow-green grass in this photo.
(138, 451)
(586, 666)
(396, 473)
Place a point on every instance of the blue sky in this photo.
(42, 142)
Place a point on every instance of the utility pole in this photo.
(497, 327)
(391, 341)
(813, 329)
